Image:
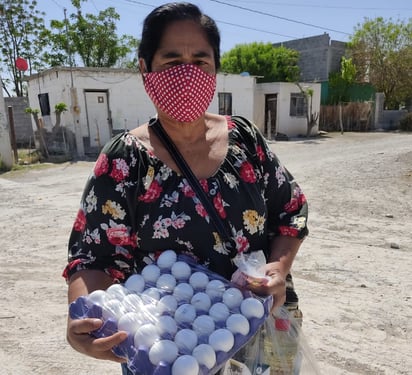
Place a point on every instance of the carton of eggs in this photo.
(181, 317)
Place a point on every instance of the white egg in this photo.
(163, 351)
(129, 322)
(151, 273)
(166, 282)
(205, 355)
(198, 280)
(113, 309)
(135, 283)
(166, 259)
(146, 335)
(98, 297)
(219, 312)
(215, 289)
(166, 326)
(132, 302)
(183, 292)
(252, 308)
(203, 325)
(185, 314)
(185, 364)
(167, 303)
(181, 270)
(201, 302)
(186, 340)
(150, 294)
(117, 291)
(237, 323)
(221, 340)
(232, 298)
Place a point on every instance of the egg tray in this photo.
(138, 357)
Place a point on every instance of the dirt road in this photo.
(353, 272)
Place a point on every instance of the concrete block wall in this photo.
(22, 120)
(319, 56)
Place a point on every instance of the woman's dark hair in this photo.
(156, 22)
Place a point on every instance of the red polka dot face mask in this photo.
(183, 91)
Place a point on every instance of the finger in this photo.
(81, 326)
(105, 345)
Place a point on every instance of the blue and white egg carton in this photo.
(180, 317)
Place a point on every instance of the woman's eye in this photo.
(172, 63)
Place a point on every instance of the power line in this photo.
(279, 17)
(60, 6)
(218, 21)
(323, 6)
(251, 28)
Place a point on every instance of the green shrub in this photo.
(405, 124)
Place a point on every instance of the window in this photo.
(225, 103)
(297, 105)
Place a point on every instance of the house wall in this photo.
(286, 124)
(242, 89)
(128, 101)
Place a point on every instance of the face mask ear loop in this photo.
(145, 71)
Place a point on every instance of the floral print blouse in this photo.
(135, 206)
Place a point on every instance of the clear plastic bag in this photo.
(279, 347)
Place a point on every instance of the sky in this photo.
(247, 21)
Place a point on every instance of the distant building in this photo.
(319, 56)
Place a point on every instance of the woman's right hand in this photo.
(78, 330)
(101, 348)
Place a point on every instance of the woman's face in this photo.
(184, 42)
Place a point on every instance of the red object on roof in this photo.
(21, 64)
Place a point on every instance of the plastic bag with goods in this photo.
(279, 346)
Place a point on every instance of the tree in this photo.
(262, 59)
(341, 81)
(382, 52)
(21, 30)
(91, 37)
(311, 117)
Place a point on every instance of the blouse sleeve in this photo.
(287, 209)
(103, 237)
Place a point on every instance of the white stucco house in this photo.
(103, 102)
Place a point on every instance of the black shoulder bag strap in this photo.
(195, 185)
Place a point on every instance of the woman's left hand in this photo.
(273, 284)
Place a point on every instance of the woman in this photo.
(137, 203)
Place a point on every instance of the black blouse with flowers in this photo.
(134, 206)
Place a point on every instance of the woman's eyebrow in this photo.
(173, 54)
